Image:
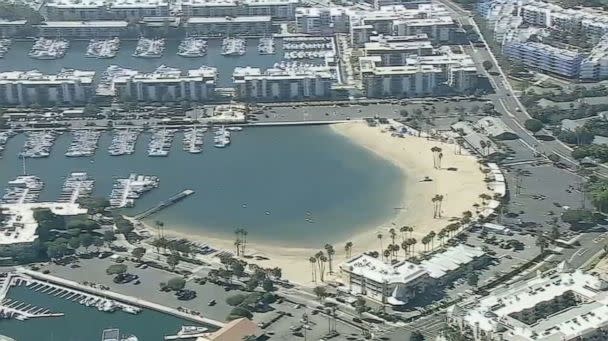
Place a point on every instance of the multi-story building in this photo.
(595, 65)
(83, 29)
(229, 26)
(277, 9)
(12, 28)
(558, 305)
(322, 20)
(379, 3)
(398, 283)
(62, 10)
(393, 53)
(34, 87)
(299, 82)
(397, 81)
(165, 84)
(544, 57)
(430, 19)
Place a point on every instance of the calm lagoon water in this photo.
(266, 181)
(82, 323)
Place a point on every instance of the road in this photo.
(514, 114)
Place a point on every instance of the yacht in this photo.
(192, 47)
(234, 47)
(149, 48)
(103, 48)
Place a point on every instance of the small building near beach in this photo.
(399, 283)
(239, 329)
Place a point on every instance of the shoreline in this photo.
(412, 155)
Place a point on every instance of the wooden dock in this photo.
(163, 204)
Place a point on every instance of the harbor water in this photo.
(17, 59)
(292, 186)
(81, 323)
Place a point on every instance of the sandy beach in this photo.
(461, 189)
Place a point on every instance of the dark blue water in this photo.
(81, 323)
(286, 171)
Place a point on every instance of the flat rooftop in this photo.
(242, 19)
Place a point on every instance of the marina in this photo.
(234, 47)
(308, 48)
(23, 189)
(221, 138)
(5, 44)
(149, 48)
(193, 140)
(126, 190)
(49, 48)
(266, 46)
(38, 144)
(123, 141)
(4, 136)
(161, 141)
(192, 47)
(77, 185)
(103, 48)
(84, 143)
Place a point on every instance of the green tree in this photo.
(235, 300)
(473, 279)
(487, 65)
(320, 292)
(116, 269)
(86, 240)
(74, 243)
(416, 336)
(533, 125)
(173, 260)
(176, 283)
(267, 285)
(138, 253)
(239, 312)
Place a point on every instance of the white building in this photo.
(165, 84)
(595, 65)
(550, 307)
(12, 28)
(277, 9)
(544, 57)
(394, 53)
(431, 19)
(291, 82)
(400, 282)
(83, 29)
(322, 20)
(62, 10)
(229, 26)
(34, 87)
(20, 227)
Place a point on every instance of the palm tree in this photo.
(237, 244)
(312, 261)
(436, 200)
(393, 235)
(482, 144)
(237, 241)
(439, 202)
(379, 236)
(541, 242)
(395, 250)
(425, 241)
(442, 234)
(405, 246)
(330, 255)
(432, 235)
(348, 248)
(386, 253)
(440, 156)
(322, 261)
(436, 150)
(412, 243)
(244, 235)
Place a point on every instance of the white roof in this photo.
(451, 259)
(380, 272)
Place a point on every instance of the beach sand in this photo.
(461, 189)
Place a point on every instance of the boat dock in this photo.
(10, 308)
(77, 185)
(125, 191)
(124, 299)
(163, 204)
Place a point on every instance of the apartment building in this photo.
(595, 65)
(397, 81)
(430, 19)
(34, 87)
(379, 3)
(398, 283)
(64, 10)
(393, 53)
(283, 83)
(322, 20)
(546, 58)
(276, 9)
(558, 305)
(229, 26)
(165, 84)
(83, 29)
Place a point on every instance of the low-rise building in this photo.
(277, 9)
(559, 305)
(34, 87)
(398, 283)
(165, 84)
(12, 28)
(229, 26)
(396, 53)
(595, 65)
(83, 29)
(283, 83)
(62, 10)
(562, 62)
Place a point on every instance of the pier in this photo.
(163, 204)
